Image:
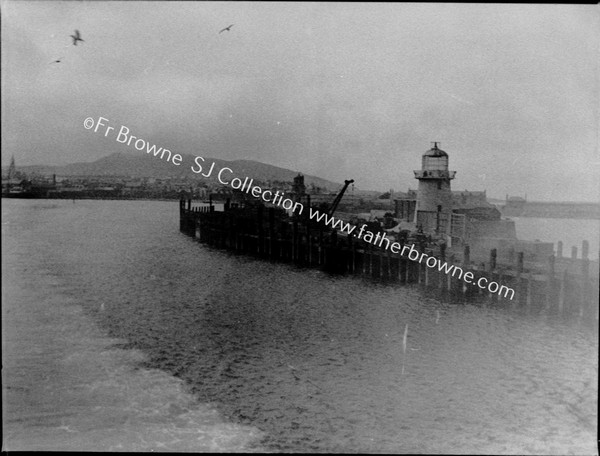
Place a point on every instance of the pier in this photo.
(565, 286)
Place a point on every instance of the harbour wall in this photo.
(561, 286)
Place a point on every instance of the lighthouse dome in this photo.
(435, 152)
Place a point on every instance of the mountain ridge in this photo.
(136, 166)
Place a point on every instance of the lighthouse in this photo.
(434, 196)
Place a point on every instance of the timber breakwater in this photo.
(562, 286)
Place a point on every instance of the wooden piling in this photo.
(403, 269)
(440, 280)
(562, 293)
(550, 282)
(390, 274)
(375, 263)
(529, 291)
(586, 298)
(466, 265)
(427, 275)
(321, 248)
(295, 241)
(493, 254)
(261, 230)
(518, 281)
(271, 232)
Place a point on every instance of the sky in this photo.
(337, 90)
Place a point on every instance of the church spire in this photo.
(11, 169)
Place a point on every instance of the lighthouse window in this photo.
(435, 163)
(439, 185)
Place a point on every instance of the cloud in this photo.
(338, 90)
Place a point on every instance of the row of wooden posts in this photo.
(304, 243)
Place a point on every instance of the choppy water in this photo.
(121, 333)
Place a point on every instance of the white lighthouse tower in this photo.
(434, 196)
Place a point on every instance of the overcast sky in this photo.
(341, 91)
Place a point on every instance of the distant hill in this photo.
(132, 165)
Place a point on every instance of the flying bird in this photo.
(56, 61)
(76, 37)
(228, 28)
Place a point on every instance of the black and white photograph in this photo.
(300, 227)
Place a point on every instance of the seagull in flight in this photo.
(228, 28)
(56, 61)
(76, 37)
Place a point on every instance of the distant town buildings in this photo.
(456, 218)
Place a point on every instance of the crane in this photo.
(338, 198)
